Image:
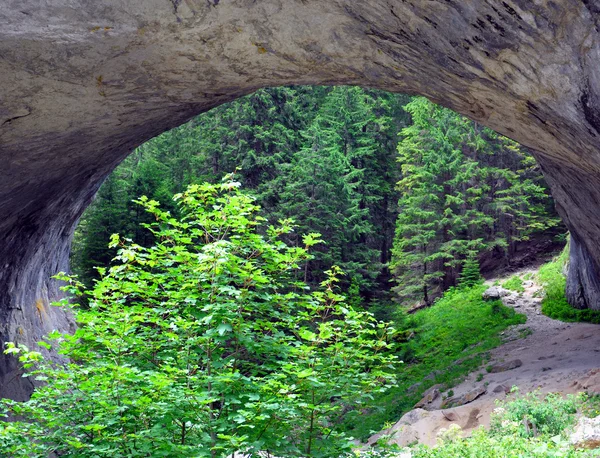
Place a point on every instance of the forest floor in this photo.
(542, 354)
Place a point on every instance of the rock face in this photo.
(83, 82)
(586, 434)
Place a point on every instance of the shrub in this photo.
(203, 345)
(533, 415)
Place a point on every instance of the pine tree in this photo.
(464, 190)
(470, 274)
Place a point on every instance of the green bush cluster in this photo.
(533, 414)
(203, 345)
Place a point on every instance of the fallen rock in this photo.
(590, 382)
(463, 398)
(501, 367)
(429, 396)
(501, 389)
(587, 433)
(413, 416)
(494, 293)
(450, 416)
(402, 433)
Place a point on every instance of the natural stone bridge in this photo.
(83, 82)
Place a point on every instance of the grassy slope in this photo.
(554, 303)
(460, 326)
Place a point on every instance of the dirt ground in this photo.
(554, 356)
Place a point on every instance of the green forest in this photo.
(285, 275)
(403, 192)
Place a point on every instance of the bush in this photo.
(533, 415)
(203, 345)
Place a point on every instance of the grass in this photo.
(514, 283)
(554, 302)
(452, 339)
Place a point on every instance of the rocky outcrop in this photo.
(586, 434)
(464, 398)
(84, 82)
(505, 366)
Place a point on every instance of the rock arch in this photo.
(83, 82)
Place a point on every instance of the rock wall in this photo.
(83, 82)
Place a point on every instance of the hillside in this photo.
(542, 354)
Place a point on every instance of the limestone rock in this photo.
(463, 398)
(505, 366)
(501, 389)
(413, 416)
(494, 293)
(429, 396)
(587, 433)
(81, 85)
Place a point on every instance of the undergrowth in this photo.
(521, 427)
(449, 340)
(514, 283)
(554, 303)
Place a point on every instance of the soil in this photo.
(555, 356)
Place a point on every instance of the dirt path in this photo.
(544, 354)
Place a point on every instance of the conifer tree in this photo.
(464, 190)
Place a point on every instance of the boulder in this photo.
(495, 293)
(505, 366)
(429, 396)
(501, 389)
(463, 399)
(586, 434)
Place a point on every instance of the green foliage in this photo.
(470, 274)
(514, 283)
(554, 302)
(533, 414)
(324, 156)
(481, 444)
(463, 190)
(449, 340)
(203, 344)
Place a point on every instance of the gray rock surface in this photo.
(587, 433)
(464, 398)
(430, 395)
(505, 366)
(494, 293)
(84, 82)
